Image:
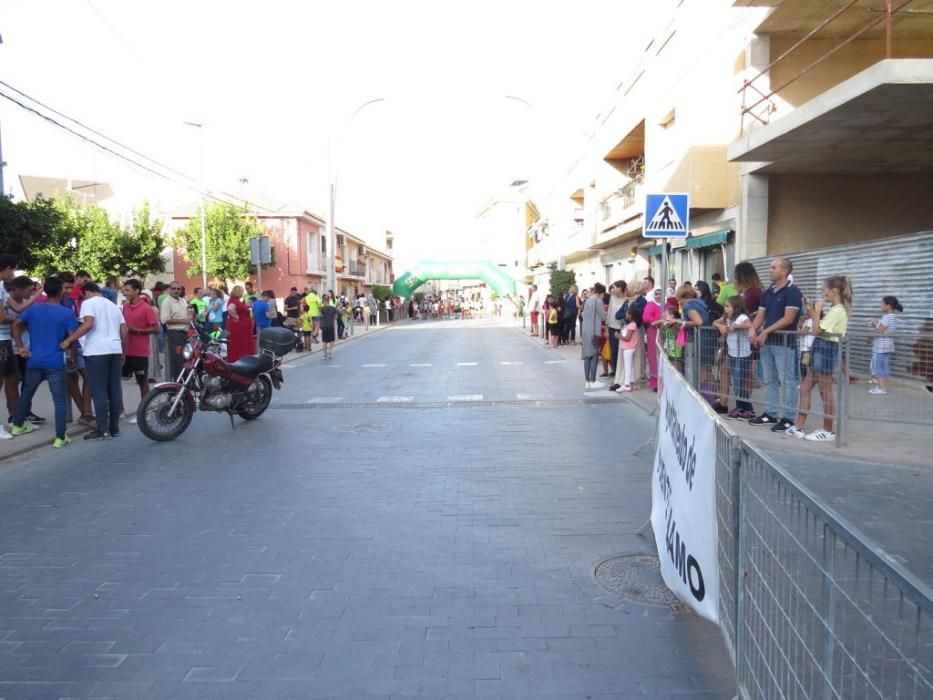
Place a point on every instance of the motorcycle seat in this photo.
(252, 365)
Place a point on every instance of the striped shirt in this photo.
(737, 341)
(885, 343)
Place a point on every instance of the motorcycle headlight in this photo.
(188, 351)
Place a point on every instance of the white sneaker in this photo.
(796, 432)
(821, 436)
(877, 391)
(4, 434)
(133, 420)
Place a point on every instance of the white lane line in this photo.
(325, 399)
(467, 364)
(374, 365)
(465, 397)
(524, 397)
(420, 364)
(395, 399)
(554, 362)
(511, 364)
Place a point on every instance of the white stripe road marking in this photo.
(325, 399)
(395, 399)
(420, 364)
(524, 397)
(467, 364)
(508, 364)
(465, 397)
(554, 362)
(380, 365)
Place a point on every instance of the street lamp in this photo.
(200, 128)
(331, 236)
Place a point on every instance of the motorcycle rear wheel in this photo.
(254, 409)
(153, 414)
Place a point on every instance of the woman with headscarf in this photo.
(651, 320)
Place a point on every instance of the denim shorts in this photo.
(824, 358)
(881, 364)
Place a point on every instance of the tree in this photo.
(382, 292)
(561, 281)
(142, 245)
(228, 232)
(38, 233)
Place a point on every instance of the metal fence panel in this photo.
(822, 613)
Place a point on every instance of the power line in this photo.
(120, 145)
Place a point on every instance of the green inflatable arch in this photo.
(426, 270)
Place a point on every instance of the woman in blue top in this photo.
(695, 314)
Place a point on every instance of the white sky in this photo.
(272, 79)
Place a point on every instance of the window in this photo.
(323, 245)
(312, 261)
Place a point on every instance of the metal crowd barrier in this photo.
(909, 397)
(734, 384)
(809, 606)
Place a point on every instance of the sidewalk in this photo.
(881, 481)
(42, 406)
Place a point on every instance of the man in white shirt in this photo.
(173, 312)
(105, 337)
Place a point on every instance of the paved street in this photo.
(421, 516)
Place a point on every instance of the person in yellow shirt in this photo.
(307, 329)
(313, 302)
(824, 358)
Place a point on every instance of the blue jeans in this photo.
(739, 369)
(781, 368)
(103, 374)
(590, 365)
(58, 385)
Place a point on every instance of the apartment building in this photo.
(793, 125)
(299, 241)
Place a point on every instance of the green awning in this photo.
(656, 250)
(709, 239)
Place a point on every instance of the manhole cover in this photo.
(365, 427)
(637, 578)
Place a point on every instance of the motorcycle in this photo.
(207, 382)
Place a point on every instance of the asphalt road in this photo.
(421, 516)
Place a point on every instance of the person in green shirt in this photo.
(249, 295)
(726, 289)
(199, 304)
(313, 302)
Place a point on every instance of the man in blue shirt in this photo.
(48, 324)
(779, 311)
(264, 310)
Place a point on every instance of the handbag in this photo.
(606, 352)
(805, 358)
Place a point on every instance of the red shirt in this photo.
(139, 315)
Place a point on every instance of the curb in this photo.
(77, 430)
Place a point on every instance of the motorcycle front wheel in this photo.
(251, 410)
(156, 419)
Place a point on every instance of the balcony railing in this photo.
(356, 269)
(622, 199)
(761, 104)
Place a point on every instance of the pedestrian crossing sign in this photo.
(667, 215)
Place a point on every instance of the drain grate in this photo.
(440, 404)
(637, 578)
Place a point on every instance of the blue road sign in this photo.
(667, 215)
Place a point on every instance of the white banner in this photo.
(683, 495)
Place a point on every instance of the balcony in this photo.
(622, 205)
(356, 269)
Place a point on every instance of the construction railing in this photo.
(762, 104)
(809, 606)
